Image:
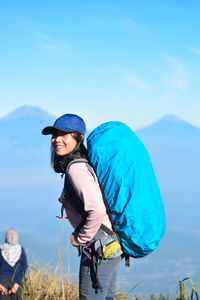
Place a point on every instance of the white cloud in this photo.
(155, 275)
(128, 22)
(168, 96)
(195, 50)
(194, 232)
(174, 76)
(172, 60)
(54, 45)
(136, 82)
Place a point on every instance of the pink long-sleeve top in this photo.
(87, 188)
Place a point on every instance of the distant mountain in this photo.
(24, 121)
(170, 126)
(22, 144)
(21, 141)
(27, 113)
(174, 148)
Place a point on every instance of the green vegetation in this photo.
(43, 284)
(183, 290)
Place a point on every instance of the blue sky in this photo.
(132, 61)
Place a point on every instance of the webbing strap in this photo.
(76, 202)
(78, 160)
(73, 199)
(107, 230)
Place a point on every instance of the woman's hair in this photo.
(59, 163)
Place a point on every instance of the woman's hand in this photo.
(14, 289)
(3, 290)
(73, 239)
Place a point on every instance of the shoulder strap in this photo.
(77, 160)
(91, 170)
(76, 202)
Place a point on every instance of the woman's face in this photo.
(63, 143)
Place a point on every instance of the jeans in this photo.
(107, 274)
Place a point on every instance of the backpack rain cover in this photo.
(129, 184)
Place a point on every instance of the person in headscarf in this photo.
(13, 265)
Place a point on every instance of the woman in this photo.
(84, 205)
(13, 265)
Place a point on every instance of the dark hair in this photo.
(59, 163)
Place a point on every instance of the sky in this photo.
(131, 61)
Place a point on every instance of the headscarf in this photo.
(11, 250)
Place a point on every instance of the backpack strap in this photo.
(75, 202)
(77, 160)
(74, 199)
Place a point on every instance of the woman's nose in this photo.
(58, 138)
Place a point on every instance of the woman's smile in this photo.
(63, 143)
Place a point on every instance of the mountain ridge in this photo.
(27, 111)
(168, 124)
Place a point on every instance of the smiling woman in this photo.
(66, 147)
(63, 143)
(85, 208)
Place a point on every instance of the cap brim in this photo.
(51, 130)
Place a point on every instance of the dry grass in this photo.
(183, 290)
(41, 283)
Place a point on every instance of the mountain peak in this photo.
(171, 118)
(170, 126)
(27, 112)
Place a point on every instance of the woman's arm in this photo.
(3, 290)
(87, 188)
(21, 268)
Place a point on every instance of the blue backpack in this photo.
(129, 184)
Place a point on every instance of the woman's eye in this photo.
(55, 135)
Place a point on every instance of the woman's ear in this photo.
(82, 137)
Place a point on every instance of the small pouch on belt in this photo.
(110, 249)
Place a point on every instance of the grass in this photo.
(183, 290)
(42, 284)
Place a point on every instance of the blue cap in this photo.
(68, 123)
